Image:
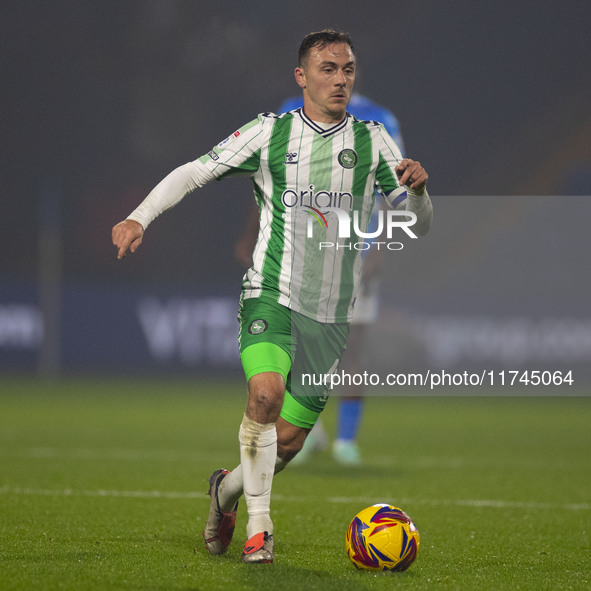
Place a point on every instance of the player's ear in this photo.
(300, 77)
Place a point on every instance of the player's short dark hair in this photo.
(321, 39)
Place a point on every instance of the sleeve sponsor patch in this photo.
(229, 138)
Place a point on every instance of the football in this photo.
(382, 537)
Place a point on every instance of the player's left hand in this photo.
(412, 174)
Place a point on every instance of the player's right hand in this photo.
(127, 235)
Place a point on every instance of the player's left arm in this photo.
(412, 175)
(403, 182)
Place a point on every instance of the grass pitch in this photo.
(103, 486)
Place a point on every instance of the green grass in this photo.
(102, 486)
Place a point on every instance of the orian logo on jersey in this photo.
(319, 204)
(317, 199)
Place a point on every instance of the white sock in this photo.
(231, 488)
(258, 454)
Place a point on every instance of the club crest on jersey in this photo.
(348, 158)
(257, 326)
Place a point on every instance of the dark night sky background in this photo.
(101, 99)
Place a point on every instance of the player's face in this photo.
(327, 79)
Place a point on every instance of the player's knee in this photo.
(264, 401)
(266, 398)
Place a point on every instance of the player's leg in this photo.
(285, 434)
(345, 447)
(291, 428)
(320, 348)
(289, 440)
(258, 448)
(266, 367)
(258, 548)
(259, 545)
(253, 477)
(350, 410)
(316, 441)
(351, 402)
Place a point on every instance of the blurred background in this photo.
(100, 100)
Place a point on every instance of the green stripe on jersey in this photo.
(387, 182)
(277, 149)
(250, 166)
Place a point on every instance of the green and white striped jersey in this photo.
(300, 171)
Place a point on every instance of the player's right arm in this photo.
(232, 155)
(128, 234)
